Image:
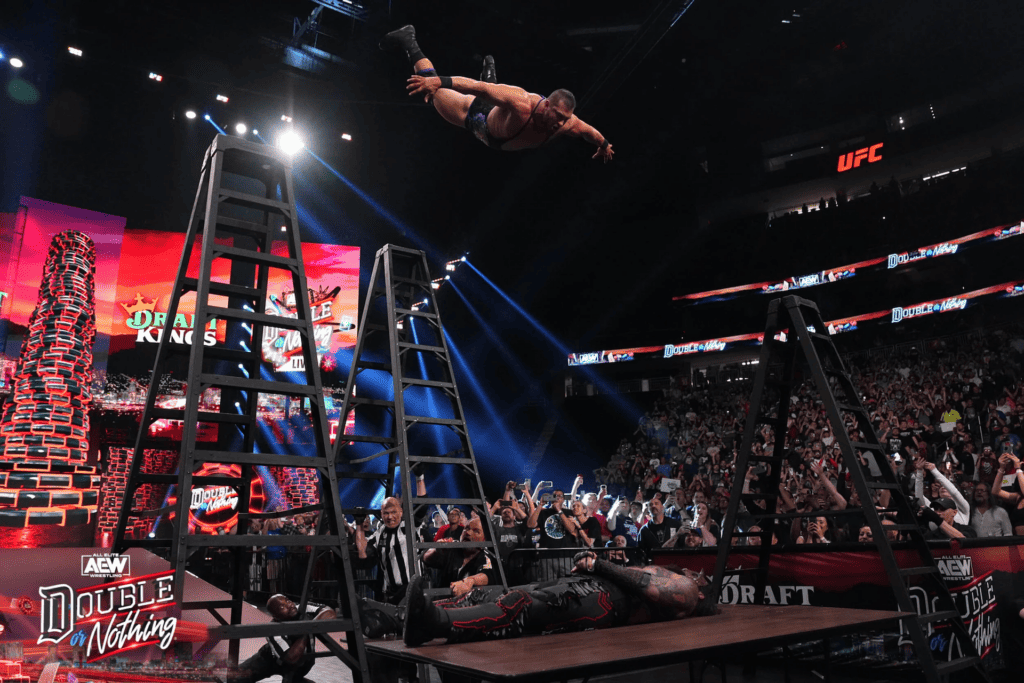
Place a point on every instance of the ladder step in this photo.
(934, 617)
(267, 320)
(236, 225)
(251, 200)
(362, 475)
(360, 401)
(762, 458)
(946, 668)
(420, 347)
(191, 284)
(410, 281)
(207, 604)
(902, 527)
(882, 485)
(260, 385)
(918, 571)
(423, 419)
(232, 631)
(217, 481)
(146, 478)
(179, 414)
(372, 365)
(428, 383)
(365, 438)
(258, 541)
(848, 407)
(255, 257)
(860, 445)
(375, 327)
(440, 460)
(418, 314)
(223, 353)
(267, 459)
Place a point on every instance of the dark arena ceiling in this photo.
(689, 93)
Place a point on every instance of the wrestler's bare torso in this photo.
(504, 122)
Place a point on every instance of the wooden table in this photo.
(739, 630)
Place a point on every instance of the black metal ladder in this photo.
(407, 395)
(244, 216)
(796, 338)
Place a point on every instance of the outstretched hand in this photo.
(605, 153)
(584, 562)
(425, 85)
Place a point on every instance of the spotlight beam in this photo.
(562, 348)
(404, 229)
(214, 124)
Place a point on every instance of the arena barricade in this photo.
(545, 564)
(985, 576)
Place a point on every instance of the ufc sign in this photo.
(853, 159)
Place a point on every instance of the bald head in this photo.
(281, 608)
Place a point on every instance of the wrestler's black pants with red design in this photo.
(554, 607)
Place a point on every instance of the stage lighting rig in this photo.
(155, 77)
(222, 98)
(17, 63)
(289, 142)
(346, 136)
(240, 128)
(286, 118)
(190, 114)
(75, 51)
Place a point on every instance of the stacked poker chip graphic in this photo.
(44, 479)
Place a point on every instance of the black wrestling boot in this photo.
(403, 39)
(489, 75)
(421, 617)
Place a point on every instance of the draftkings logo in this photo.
(106, 566)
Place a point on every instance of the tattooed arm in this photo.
(668, 592)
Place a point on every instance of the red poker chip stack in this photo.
(44, 478)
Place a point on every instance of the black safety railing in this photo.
(546, 564)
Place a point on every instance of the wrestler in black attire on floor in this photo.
(601, 595)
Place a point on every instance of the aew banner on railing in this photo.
(986, 581)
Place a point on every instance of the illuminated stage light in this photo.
(222, 98)
(463, 259)
(206, 116)
(190, 114)
(255, 132)
(284, 228)
(290, 142)
(75, 51)
(286, 118)
(155, 77)
(247, 307)
(435, 285)
(17, 63)
(240, 128)
(447, 277)
(449, 266)
(346, 136)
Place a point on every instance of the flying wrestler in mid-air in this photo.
(501, 116)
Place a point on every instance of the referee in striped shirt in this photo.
(387, 548)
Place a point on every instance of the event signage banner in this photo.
(985, 582)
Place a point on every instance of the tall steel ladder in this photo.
(245, 215)
(410, 414)
(796, 339)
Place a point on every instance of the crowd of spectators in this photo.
(949, 414)
(946, 413)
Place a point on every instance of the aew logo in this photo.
(106, 565)
(957, 568)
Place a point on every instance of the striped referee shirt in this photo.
(392, 558)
